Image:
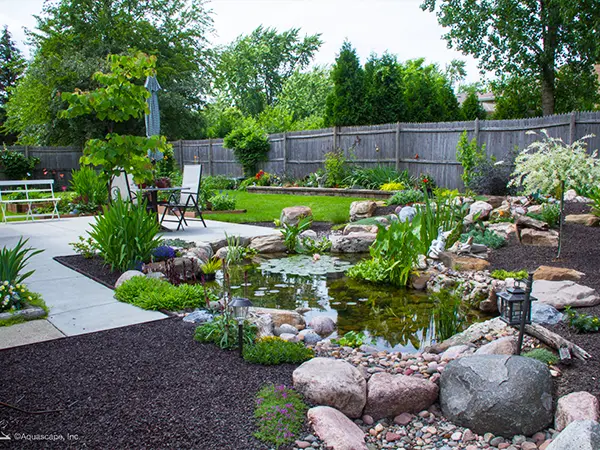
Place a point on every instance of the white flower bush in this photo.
(545, 165)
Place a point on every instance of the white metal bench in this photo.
(27, 188)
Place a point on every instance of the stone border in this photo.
(29, 313)
(335, 192)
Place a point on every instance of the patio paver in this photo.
(28, 333)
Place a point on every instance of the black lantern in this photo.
(240, 307)
(513, 304)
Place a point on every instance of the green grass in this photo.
(36, 300)
(267, 207)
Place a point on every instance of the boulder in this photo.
(570, 195)
(216, 245)
(407, 213)
(496, 200)
(390, 395)
(332, 382)
(579, 435)
(289, 337)
(202, 252)
(538, 238)
(311, 234)
(126, 276)
(222, 253)
(564, 293)
(355, 228)
(272, 243)
(500, 212)
(352, 243)
(281, 316)
(199, 316)
(322, 325)
(292, 214)
(545, 314)
(575, 406)
(557, 274)
(589, 220)
(182, 267)
(503, 346)
(309, 337)
(453, 261)
(502, 229)
(264, 323)
(335, 429)
(483, 208)
(419, 280)
(457, 351)
(285, 328)
(530, 222)
(362, 210)
(499, 394)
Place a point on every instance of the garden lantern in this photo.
(513, 304)
(240, 307)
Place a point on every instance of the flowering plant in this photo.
(11, 296)
(426, 182)
(260, 174)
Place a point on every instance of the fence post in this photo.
(285, 153)
(27, 151)
(210, 157)
(335, 138)
(573, 127)
(398, 147)
(476, 126)
(180, 151)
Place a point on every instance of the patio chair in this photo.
(181, 201)
(123, 187)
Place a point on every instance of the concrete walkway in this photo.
(78, 304)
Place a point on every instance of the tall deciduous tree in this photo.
(529, 38)
(71, 42)
(12, 65)
(253, 69)
(384, 90)
(304, 93)
(346, 104)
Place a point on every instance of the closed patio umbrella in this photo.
(153, 116)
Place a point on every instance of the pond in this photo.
(392, 318)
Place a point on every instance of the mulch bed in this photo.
(94, 268)
(143, 386)
(580, 251)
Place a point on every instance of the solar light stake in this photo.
(526, 313)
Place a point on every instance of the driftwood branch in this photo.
(555, 341)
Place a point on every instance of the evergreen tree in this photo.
(346, 104)
(384, 96)
(12, 65)
(471, 108)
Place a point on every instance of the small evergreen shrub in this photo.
(273, 350)
(222, 202)
(542, 355)
(405, 197)
(487, 238)
(504, 274)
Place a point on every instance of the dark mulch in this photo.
(144, 386)
(94, 268)
(580, 252)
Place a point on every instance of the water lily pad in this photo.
(304, 265)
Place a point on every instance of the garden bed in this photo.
(331, 192)
(94, 268)
(163, 387)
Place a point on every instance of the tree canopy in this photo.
(12, 65)
(525, 38)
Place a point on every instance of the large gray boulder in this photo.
(352, 242)
(272, 243)
(335, 429)
(332, 382)
(362, 209)
(128, 275)
(564, 293)
(281, 316)
(579, 435)
(500, 394)
(389, 395)
(545, 314)
(322, 325)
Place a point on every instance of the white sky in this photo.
(398, 26)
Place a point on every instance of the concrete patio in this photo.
(78, 304)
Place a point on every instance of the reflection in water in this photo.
(393, 318)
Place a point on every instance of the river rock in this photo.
(538, 238)
(356, 228)
(281, 316)
(550, 273)
(579, 435)
(564, 293)
(502, 229)
(545, 314)
(289, 337)
(309, 336)
(589, 220)
(575, 406)
(222, 253)
(335, 429)
(407, 213)
(503, 346)
(285, 328)
(499, 394)
(292, 214)
(352, 243)
(272, 243)
(322, 325)
(456, 351)
(483, 208)
(332, 382)
(390, 395)
(199, 316)
(202, 253)
(362, 210)
(128, 275)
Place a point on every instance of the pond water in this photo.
(391, 318)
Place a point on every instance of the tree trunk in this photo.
(548, 92)
(547, 59)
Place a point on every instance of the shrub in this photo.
(125, 234)
(406, 197)
(392, 186)
(223, 332)
(218, 182)
(504, 274)
(550, 214)
(85, 247)
(280, 413)
(250, 146)
(374, 177)
(291, 232)
(469, 155)
(14, 260)
(222, 202)
(17, 166)
(153, 294)
(91, 189)
(489, 177)
(486, 237)
(594, 195)
(336, 168)
(583, 323)
(426, 182)
(273, 350)
(542, 355)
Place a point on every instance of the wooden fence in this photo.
(418, 147)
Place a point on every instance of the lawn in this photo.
(267, 207)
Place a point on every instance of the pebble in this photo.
(302, 444)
